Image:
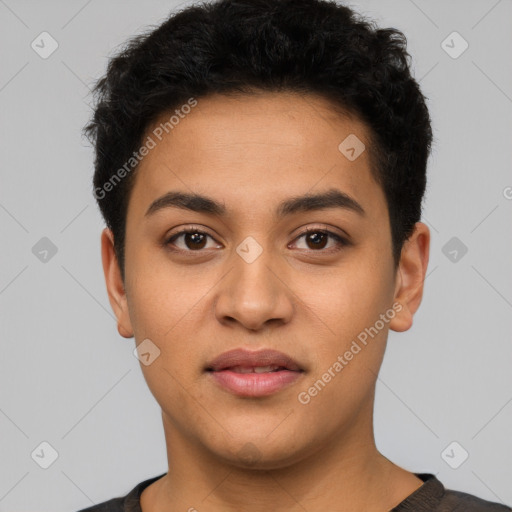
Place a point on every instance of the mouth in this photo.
(256, 369)
(254, 374)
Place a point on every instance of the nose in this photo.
(255, 293)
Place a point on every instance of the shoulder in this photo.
(128, 503)
(458, 501)
(432, 496)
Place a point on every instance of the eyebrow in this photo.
(332, 198)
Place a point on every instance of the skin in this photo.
(250, 153)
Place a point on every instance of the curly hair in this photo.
(241, 46)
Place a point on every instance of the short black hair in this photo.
(242, 46)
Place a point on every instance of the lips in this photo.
(254, 374)
(262, 361)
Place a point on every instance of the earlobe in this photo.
(115, 286)
(403, 318)
(411, 277)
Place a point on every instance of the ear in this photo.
(115, 285)
(411, 276)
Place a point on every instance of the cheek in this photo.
(349, 307)
(162, 297)
(177, 397)
(171, 309)
(350, 298)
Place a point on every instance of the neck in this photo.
(347, 471)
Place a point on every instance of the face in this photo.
(248, 276)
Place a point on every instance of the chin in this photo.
(261, 453)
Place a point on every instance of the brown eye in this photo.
(191, 240)
(317, 240)
(195, 240)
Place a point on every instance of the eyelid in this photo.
(342, 240)
(331, 230)
(189, 229)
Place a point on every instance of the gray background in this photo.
(68, 378)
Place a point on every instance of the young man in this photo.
(260, 165)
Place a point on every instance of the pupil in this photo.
(196, 239)
(315, 239)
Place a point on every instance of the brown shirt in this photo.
(430, 497)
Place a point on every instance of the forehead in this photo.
(250, 151)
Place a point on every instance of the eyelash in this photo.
(342, 242)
